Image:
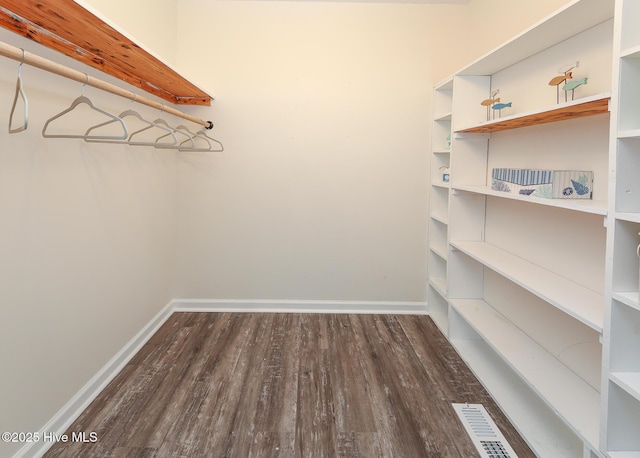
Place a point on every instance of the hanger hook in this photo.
(24, 57)
(135, 97)
(85, 83)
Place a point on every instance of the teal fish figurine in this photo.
(499, 106)
(573, 84)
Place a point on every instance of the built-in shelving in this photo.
(528, 293)
(439, 205)
(621, 343)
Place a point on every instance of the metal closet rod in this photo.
(34, 60)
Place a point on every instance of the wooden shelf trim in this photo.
(585, 107)
(67, 27)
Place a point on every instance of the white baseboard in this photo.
(72, 410)
(299, 306)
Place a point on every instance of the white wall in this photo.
(86, 247)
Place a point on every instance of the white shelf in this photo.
(443, 117)
(443, 151)
(631, 53)
(628, 381)
(439, 219)
(440, 251)
(441, 184)
(536, 422)
(440, 286)
(631, 133)
(628, 298)
(575, 300)
(631, 217)
(596, 207)
(576, 402)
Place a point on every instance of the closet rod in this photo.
(18, 54)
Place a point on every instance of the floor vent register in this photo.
(483, 431)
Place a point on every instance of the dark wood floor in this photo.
(290, 385)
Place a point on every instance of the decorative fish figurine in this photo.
(500, 106)
(490, 101)
(573, 84)
(557, 81)
(580, 188)
(566, 75)
(560, 79)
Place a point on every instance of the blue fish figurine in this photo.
(500, 106)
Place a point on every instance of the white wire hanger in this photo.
(202, 133)
(129, 141)
(20, 93)
(197, 138)
(180, 131)
(85, 100)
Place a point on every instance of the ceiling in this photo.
(450, 2)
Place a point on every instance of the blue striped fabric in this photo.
(523, 177)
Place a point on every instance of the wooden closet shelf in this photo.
(67, 27)
(577, 109)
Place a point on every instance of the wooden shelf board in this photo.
(628, 381)
(596, 207)
(67, 27)
(574, 400)
(587, 106)
(575, 300)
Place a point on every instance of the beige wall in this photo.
(149, 23)
(324, 112)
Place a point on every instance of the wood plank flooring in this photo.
(288, 385)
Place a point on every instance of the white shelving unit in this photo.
(541, 296)
(439, 205)
(621, 342)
